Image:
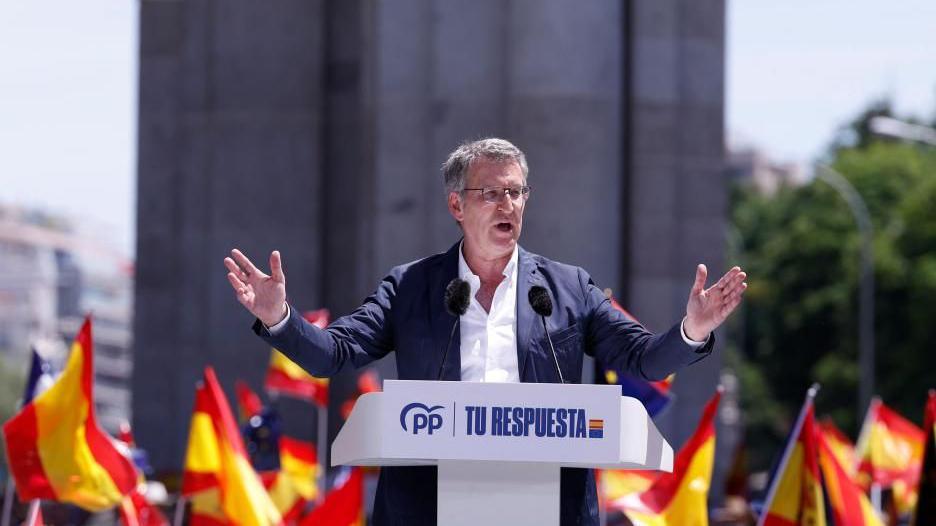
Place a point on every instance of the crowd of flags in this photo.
(245, 471)
(820, 478)
(56, 452)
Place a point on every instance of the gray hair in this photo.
(455, 168)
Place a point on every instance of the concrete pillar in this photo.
(230, 155)
(677, 193)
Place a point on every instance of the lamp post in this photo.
(865, 285)
(898, 129)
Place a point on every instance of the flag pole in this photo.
(33, 512)
(876, 497)
(602, 511)
(8, 501)
(321, 452)
(788, 450)
(179, 511)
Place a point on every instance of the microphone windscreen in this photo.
(457, 297)
(540, 301)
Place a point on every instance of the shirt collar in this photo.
(465, 273)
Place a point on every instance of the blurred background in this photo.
(141, 141)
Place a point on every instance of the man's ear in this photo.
(455, 206)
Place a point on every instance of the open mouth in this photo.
(504, 227)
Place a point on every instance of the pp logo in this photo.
(424, 417)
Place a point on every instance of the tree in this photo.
(11, 390)
(802, 253)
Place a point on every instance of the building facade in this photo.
(317, 127)
(52, 278)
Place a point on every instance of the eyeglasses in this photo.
(493, 194)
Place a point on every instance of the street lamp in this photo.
(898, 129)
(866, 283)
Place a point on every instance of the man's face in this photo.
(491, 229)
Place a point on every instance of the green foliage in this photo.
(802, 252)
(11, 389)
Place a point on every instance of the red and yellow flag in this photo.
(294, 484)
(56, 450)
(890, 453)
(367, 382)
(615, 484)
(840, 446)
(849, 503)
(795, 494)
(206, 509)
(216, 459)
(248, 402)
(925, 512)
(135, 510)
(343, 504)
(679, 498)
(285, 376)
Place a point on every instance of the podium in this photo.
(499, 446)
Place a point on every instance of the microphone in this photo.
(457, 299)
(542, 305)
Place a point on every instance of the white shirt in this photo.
(489, 339)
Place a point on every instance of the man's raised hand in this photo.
(708, 308)
(264, 296)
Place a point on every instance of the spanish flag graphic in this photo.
(56, 450)
(595, 428)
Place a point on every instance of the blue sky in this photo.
(68, 112)
(796, 70)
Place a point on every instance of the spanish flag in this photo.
(343, 504)
(849, 503)
(615, 484)
(890, 453)
(367, 382)
(925, 512)
(248, 402)
(286, 377)
(294, 484)
(795, 494)
(679, 498)
(840, 446)
(206, 509)
(135, 510)
(216, 459)
(56, 450)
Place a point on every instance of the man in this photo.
(486, 185)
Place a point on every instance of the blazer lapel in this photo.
(440, 321)
(527, 277)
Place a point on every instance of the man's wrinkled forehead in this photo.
(504, 166)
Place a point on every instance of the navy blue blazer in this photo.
(406, 315)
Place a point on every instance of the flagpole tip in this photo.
(813, 390)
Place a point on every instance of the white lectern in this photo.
(499, 446)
